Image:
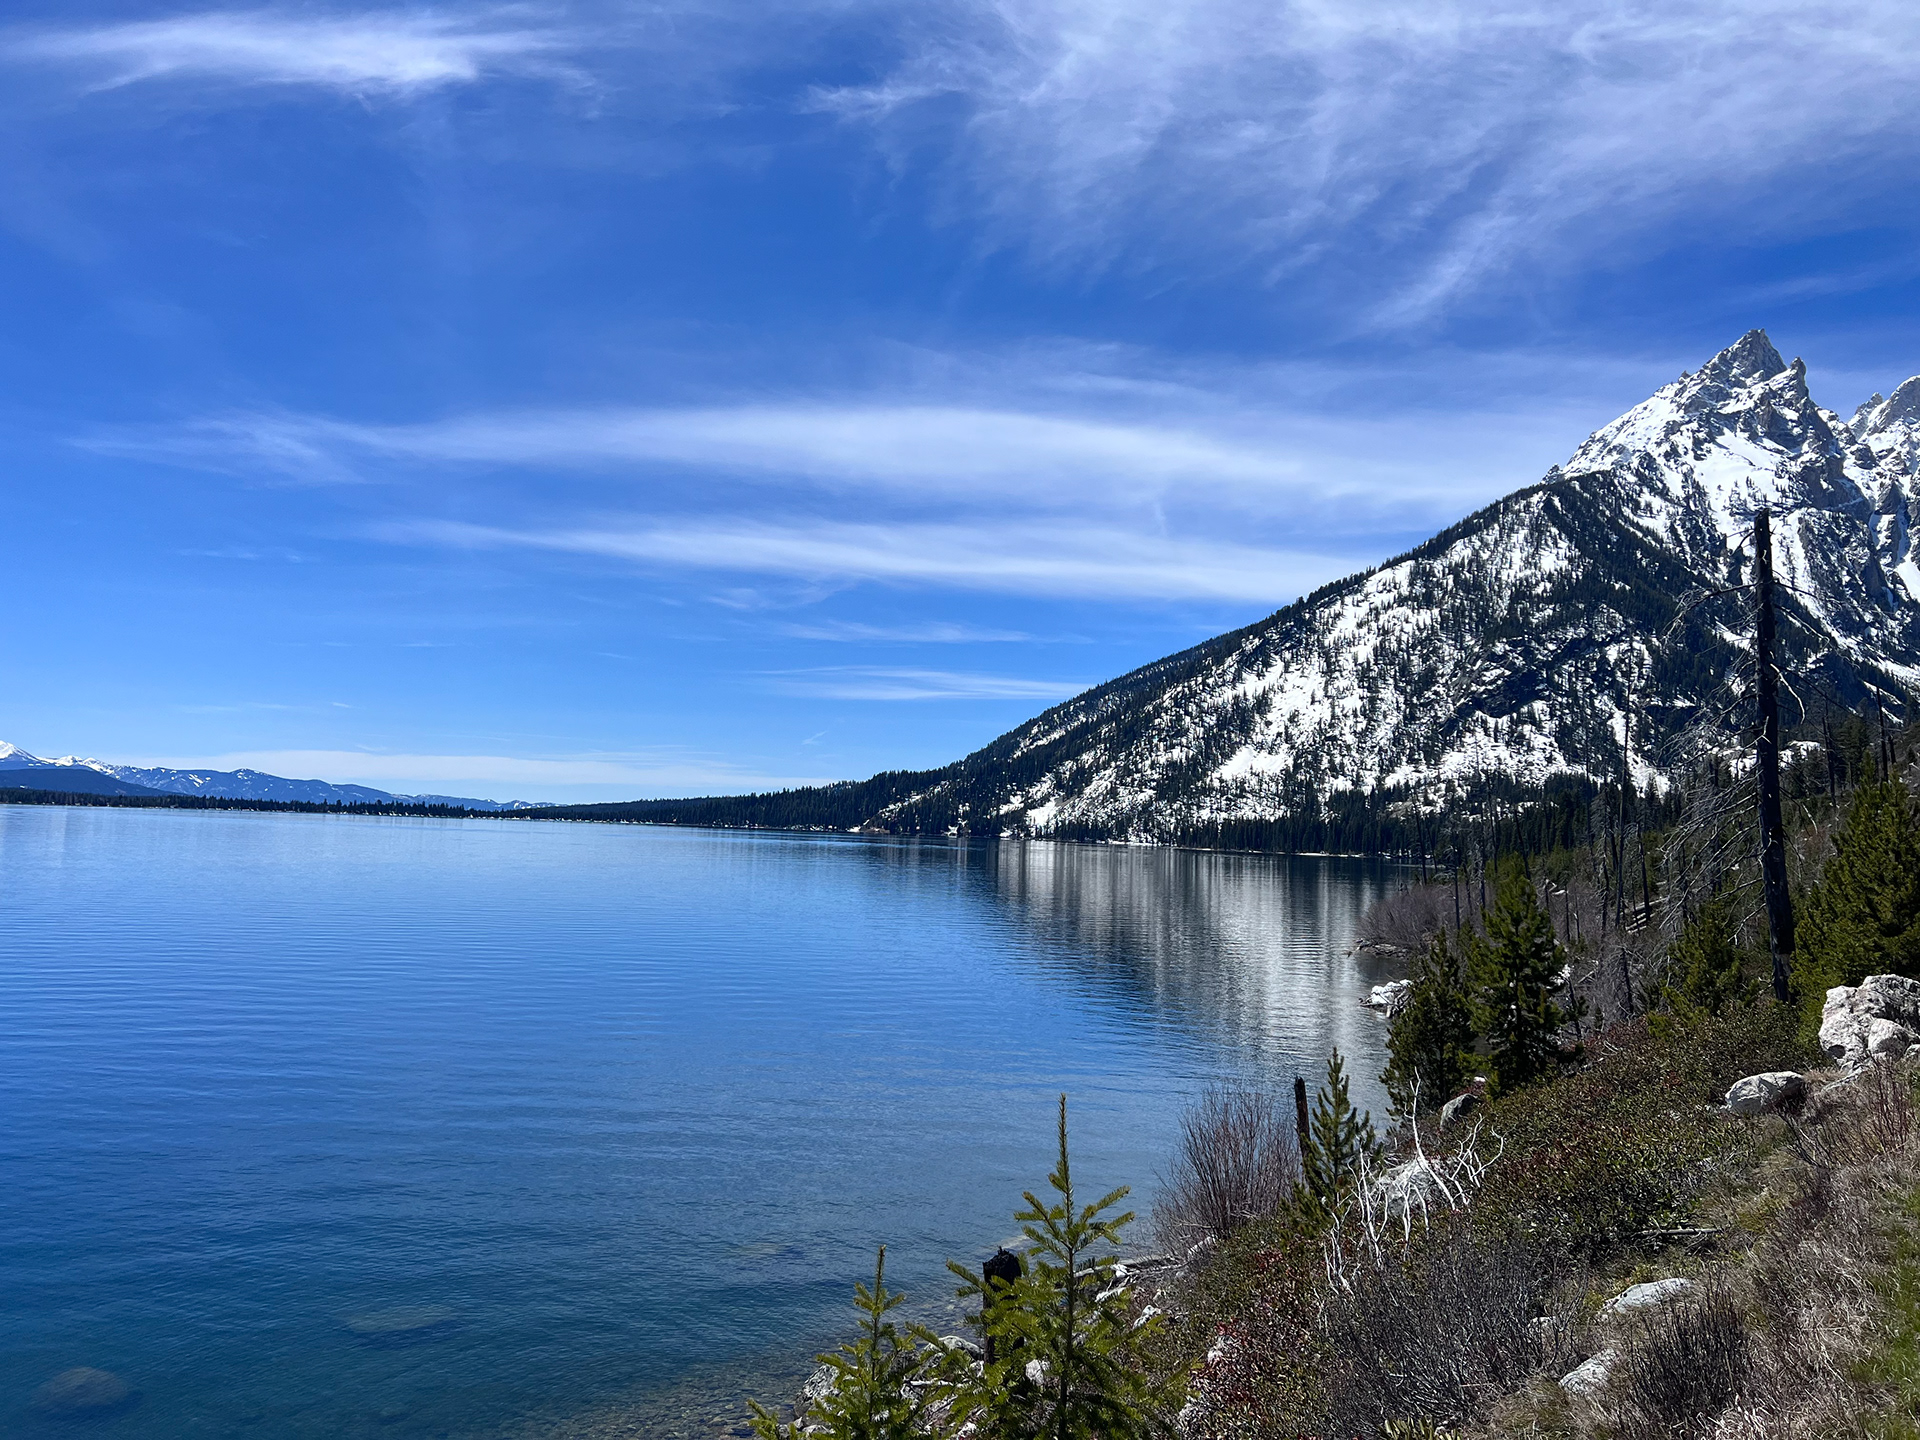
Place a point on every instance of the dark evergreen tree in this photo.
(1067, 1349)
(1515, 970)
(1432, 1036)
(1706, 966)
(1863, 918)
(1340, 1139)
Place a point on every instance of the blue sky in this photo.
(594, 400)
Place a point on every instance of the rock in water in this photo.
(1650, 1296)
(82, 1391)
(1763, 1094)
(1390, 999)
(1590, 1378)
(397, 1321)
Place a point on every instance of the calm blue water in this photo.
(632, 1106)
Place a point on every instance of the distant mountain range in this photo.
(19, 770)
(1508, 647)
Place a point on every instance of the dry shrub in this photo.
(1238, 1161)
(1407, 919)
(1683, 1365)
(1857, 1120)
(1436, 1336)
(1818, 1274)
(1884, 1109)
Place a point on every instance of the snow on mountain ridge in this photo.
(244, 784)
(1513, 644)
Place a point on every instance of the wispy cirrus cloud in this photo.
(875, 682)
(1428, 147)
(937, 447)
(932, 632)
(1009, 558)
(395, 52)
(1039, 475)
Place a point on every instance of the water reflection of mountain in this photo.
(1245, 950)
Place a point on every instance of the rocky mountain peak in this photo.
(1882, 413)
(1748, 361)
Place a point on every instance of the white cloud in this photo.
(1429, 145)
(488, 776)
(875, 682)
(1072, 449)
(932, 632)
(1018, 558)
(370, 52)
(944, 448)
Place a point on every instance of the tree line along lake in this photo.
(329, 1126)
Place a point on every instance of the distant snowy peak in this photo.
(251, 784)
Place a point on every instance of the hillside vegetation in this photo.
(1563, 1229)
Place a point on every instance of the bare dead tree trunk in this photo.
(1773, 844)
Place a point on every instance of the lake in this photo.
(337, 1127)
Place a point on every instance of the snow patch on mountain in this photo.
(1522, 641)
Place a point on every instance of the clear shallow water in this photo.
(632, 1106)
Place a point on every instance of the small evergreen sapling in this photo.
(1515, 970)
(875, 1395)
(1431, 1037)
(1707, 975)
(1067, 1363)
(1340, 1139)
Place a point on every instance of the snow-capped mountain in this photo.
(1510, 645)
(239, 784)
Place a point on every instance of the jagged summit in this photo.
(1513, 644)
(1750, 358)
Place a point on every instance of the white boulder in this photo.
(820, 1384)
(1878, 1017)
(1391, 998)
(1765, 1093)
(1888, 1039)
(1589, 1379)
(1648, 1296)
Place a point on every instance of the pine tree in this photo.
(1863, 918)
(1066, 1363)
(1514, 970)
(1707, 976)
(1339, 1138)
(1432, 1036)
(875, 1395)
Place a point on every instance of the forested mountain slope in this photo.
(1507, 648)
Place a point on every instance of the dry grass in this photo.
(1781, 1347)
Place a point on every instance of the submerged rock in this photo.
(1764, 1093)
(82, 1390)
(1648, 1296)
(398, 1321)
